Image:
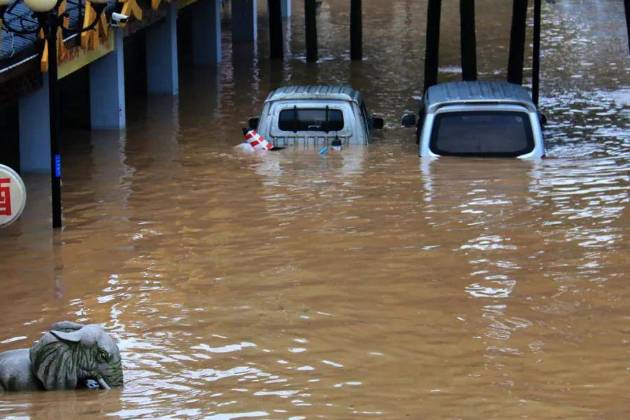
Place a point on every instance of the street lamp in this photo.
(46, 16)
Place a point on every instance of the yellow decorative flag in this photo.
(88, 17)
(62, 51)
(44, 60)
(131, 9)
(91, 39)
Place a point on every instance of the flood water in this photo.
(362, 283)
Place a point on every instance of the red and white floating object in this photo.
(257, 142)
(12, 196)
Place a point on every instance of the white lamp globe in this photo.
(6, 2)
(40, 6)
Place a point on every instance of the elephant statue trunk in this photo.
(68, 356)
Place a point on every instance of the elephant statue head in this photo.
(72, 355)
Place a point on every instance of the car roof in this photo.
(477, 92)
(338, 92)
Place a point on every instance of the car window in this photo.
(482, 133)
(311, 119)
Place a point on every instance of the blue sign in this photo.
(58, 166)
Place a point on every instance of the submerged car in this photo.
(475, 118)
(316, 115)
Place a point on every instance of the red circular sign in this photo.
(12, 196)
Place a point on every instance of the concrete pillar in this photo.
(517, 42)
(468, 39)
(432, 49)
(244, 21)
(356, 30)
(286, 8)
(206, 32)
(107, 88)
(310, 30)
(161, 46)
(34, 121)
(276, 44)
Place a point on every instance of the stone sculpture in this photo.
(68, 356)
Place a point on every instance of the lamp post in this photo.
(46, 17)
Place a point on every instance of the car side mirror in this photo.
(377, 123)
(252, 123)
(409, 120)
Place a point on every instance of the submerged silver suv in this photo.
(485, 119)
(316, 115)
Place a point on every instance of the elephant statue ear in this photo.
(69, 337)
(52, 362)
(66, 326)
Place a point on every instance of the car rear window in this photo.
(482, 133)
(311, 119)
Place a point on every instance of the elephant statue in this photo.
(68, 356)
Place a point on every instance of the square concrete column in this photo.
(286, 8)
(206, 32)
(161, 47)
(107, 88)
(244, 21)
(34, 121)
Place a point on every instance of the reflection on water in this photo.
(365, 282)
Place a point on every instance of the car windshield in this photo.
(482, 133)
(311, 119)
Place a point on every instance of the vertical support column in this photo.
(34, 126)
(55, 120)
(468, 39)
(107, 88)
(310, 23)
(206, 32)
(626, 5)
(517, 42)
(274, 11)
(244, 21)
(286, 8)
(287, 35)
(161, 46)
(356, 30)
(536, 52)
(431, 60)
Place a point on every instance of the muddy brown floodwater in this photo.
(365, 283)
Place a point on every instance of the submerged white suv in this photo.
(315, 115)
(475, 118)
